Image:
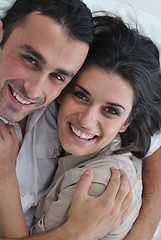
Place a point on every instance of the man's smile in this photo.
(18, 98)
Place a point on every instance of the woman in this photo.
(116, 91)
(110, 109)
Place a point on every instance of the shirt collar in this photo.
(32, 119)
(6, 121)
(71, 161)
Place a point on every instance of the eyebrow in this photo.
(65, 72)
(109, 103)
(83, 89)
(29, 49)
(32, 51)
(116, 105)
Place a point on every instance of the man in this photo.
(43, 45)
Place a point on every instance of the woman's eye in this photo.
(112, 111)
(80, 95)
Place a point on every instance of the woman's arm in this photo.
(150, 213)
(12, 223)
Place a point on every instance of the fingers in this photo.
(4, 132)
(113, 185)
(124, 188)
(103, 213)
(13, 135)
(128, 199)
(12, 132)
(124, 195)
(126, 203)
(118, 191)
(84, 183)
(118, 188)
(126, 206)
(8, 134)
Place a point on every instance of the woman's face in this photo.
(93, 111)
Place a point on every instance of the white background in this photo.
(150, 6)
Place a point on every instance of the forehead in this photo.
(105, 85)
(49, 39)
(37, 24)
(40, 21)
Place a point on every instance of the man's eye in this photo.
(80, 95)
(57, 76)
(30, 60)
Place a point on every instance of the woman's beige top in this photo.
(52, 210)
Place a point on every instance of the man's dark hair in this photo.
(73, 15)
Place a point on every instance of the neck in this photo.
(22, 124)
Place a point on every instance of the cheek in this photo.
(110, 126)
(110, 129)
(13, 69)
(52, 90)
(62, 126)
(62, 114)
(52, 93)
(67, 106)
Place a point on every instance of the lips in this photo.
(18, 98)
(82, 135)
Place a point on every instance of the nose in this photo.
(35, 86)
(89, 118)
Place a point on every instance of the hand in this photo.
(97, 216)
(8, 150)
(12, 222)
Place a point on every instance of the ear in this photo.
(1, 31)
(124, 127)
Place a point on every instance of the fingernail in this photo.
(113, 169)
(88, 172)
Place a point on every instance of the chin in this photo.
(12, 118)
(79, 153)
(75, 150)
(74, 153)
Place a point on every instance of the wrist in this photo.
(72, 232)
(8, 182)
(140, 230)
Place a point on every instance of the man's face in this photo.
(36, 63)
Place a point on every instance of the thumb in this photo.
(84, 183)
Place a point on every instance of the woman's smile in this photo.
(91, 114)
(82, 134)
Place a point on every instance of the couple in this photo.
(110, 108)
(38, 57)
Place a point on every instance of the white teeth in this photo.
(19, 99)
(81, 135)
